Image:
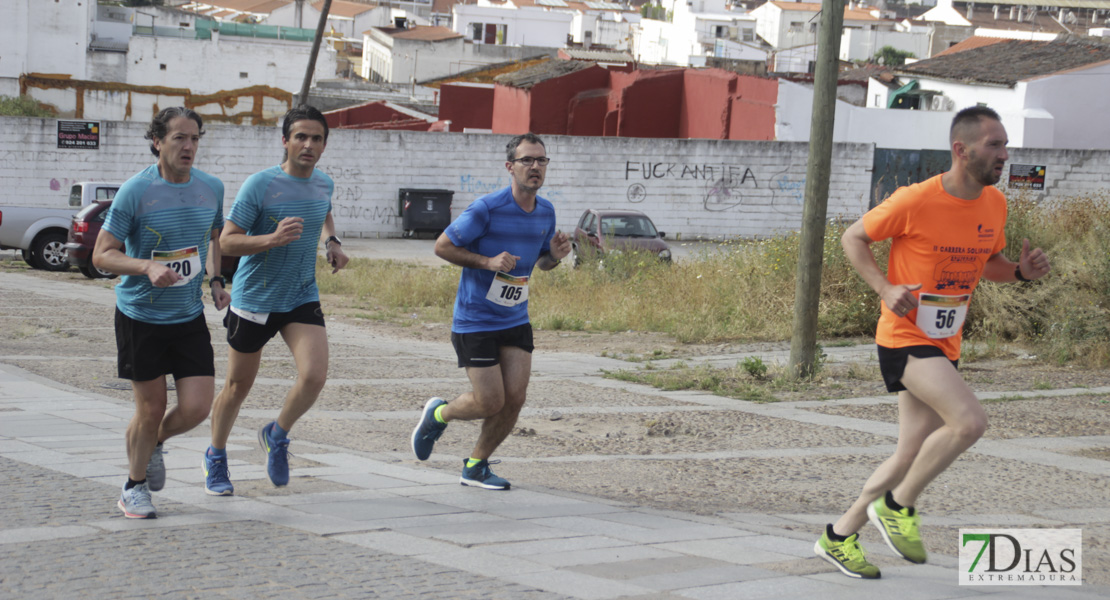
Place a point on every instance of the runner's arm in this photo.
(1033, 264)
(457, 255)
(234, 240)
(333, 252)
(220, 297)
(108, 256)
(857, 247)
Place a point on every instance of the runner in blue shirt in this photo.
(168, 217)
(276, 224)
(498, 240)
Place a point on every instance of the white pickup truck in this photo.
(40, 232)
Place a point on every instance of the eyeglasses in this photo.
(530, 160)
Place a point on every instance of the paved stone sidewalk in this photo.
(382, 530)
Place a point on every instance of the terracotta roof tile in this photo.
(975, 41)
(340, 8)
(1011, 61)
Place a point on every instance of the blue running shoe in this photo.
(135, 503)
(217, 479)
(480, 476)
(427, 430)
(277, 456)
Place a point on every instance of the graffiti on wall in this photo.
(722, 186)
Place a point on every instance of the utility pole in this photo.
(302, 98)
(807, 289)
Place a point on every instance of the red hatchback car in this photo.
(82, 238)
(83, 231)
(602, 231)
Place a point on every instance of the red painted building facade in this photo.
(657, 103)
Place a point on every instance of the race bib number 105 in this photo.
(184, 261)
(941, 316)
(507, 290)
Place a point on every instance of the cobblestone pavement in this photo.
(365, 524)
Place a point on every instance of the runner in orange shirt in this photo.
(947, 233)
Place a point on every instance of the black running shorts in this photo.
(483, 348)
(892, 363)
(249, 337)
(146, 351)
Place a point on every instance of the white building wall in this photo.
(653, 42)
(691, 188)
(736, 50)
(1070, 99)
(524, 26)
(206, 66)
(351, 28)
(910, 129)
(425, 60)
(862, 44)
(42, 37)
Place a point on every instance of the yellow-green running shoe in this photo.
(900, 529)
(847, 556)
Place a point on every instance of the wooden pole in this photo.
(302, 98)
(807, 290)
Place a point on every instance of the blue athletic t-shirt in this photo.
(172, 223)
(493, 224)
(282, 278)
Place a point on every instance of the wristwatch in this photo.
(332, 238)
(218, 278)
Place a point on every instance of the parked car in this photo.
(84, 230)
(84, 193)
(39, 233)
(604, 231)
(82, 238)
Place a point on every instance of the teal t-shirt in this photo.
(283, 278)
(173, 224)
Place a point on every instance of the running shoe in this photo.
(427, 430)
(277, 455)
(156, 470)
(899, 528)
(481, 476)
(217, 479)
(135, 503)
(848, 556)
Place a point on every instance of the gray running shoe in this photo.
(135, 503)
(156, 470)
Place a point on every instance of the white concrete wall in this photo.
(691, 188)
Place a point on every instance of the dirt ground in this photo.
(631, 443)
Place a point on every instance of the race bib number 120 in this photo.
(941, 316)
(185, 262)
(507, 290)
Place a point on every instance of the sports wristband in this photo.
(1020, 277)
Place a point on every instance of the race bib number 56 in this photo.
(507, 290)
(941, 316)
(184, 261)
